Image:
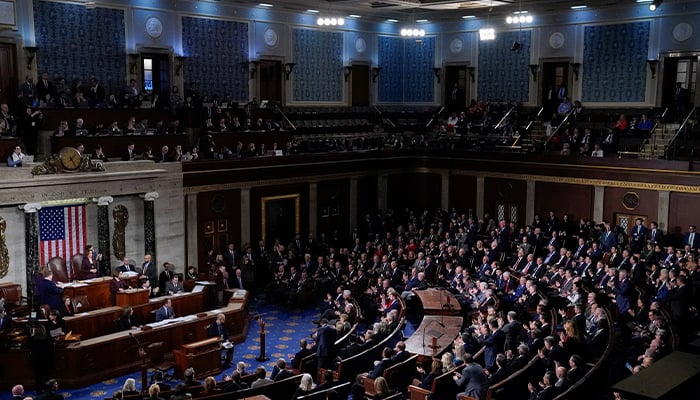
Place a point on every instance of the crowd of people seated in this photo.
(540, 290)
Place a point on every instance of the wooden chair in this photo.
(57, 266)
(156, 354)
(16, 305)
(444, 386)
(398, 376)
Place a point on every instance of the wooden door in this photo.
(456, 75)
(270, 73)
(8, 72)
(554, 75)
(627, 221)
(359, 79)
(156, 75)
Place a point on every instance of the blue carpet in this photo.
(284, 330)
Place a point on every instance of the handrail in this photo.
(562, 123)
(680, 128)
(498, 125)
(603, 360)
(539, 113)
(285, 117)
(435, 116)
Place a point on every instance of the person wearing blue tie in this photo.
(165, 312)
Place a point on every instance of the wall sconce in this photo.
(375, 73)
(575, 67)
(533, 70)
(31, 55)
(347, 71)
(472, 72)
(437, 71)
(179, 63)
(288, 68)
(653, 64)
(133, 59)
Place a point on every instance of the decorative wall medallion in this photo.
(630, 200)
(270, 36)
(456, 45)
(682, 32)
(218, 203)
(556, 40)
(154, 27)
(360, 45)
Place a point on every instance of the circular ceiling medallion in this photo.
(456, 45)
(270, 36)
(556, 40)
(360, 45)
(682, 32)
(154, 27)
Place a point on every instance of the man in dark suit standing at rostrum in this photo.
(218, 329)
(149, 271)
(126, 266)
(325, 349)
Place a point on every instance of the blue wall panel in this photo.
(504, 74)
(215, 50)
(318, 75)
(614, 62)
(406, 69)
(79, 43)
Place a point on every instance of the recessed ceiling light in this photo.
(520, 12)
(420, 21)
(579, 7)
(354, 16)
(265, 5)
(392, 21)
(312, 11)
(468, 16)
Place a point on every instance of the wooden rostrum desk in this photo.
(99, 357)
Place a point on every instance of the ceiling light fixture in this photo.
(330, 21)
(655, 4)
(488, 33)
(468, 16)
(579, 7)
(266, 5)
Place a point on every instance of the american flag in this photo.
(62, 232)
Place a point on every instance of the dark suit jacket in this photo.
(217, 330)
(49, 293)
(127, 268)
(326, 341)
(163, 313)
(379, 368)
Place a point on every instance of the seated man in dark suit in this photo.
(280, 371)
(218, 329)
(127, 266)
(165, 312)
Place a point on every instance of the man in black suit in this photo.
(218, 329)
(680, 102)
(129, 154)
(380, 366)
(236, 282)
(158, 380)
(231, 257)
(126, 266)
(305, 350)
(96, 94)
(654, 234)
(164, 155)
(325, 349)
(548, 391)
(44, 87)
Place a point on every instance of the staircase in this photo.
(656, 145)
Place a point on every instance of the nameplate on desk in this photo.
(239, 294)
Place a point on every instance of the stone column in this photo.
(353, 203)
(479, 198)
(191, 233)
(662, 213)
(31, 244)
(598, 203)
(530, 202)
(103, 243)
(149, 224)
(313, 208)
(245, 218)
(445, 189)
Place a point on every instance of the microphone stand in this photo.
(144, 362)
